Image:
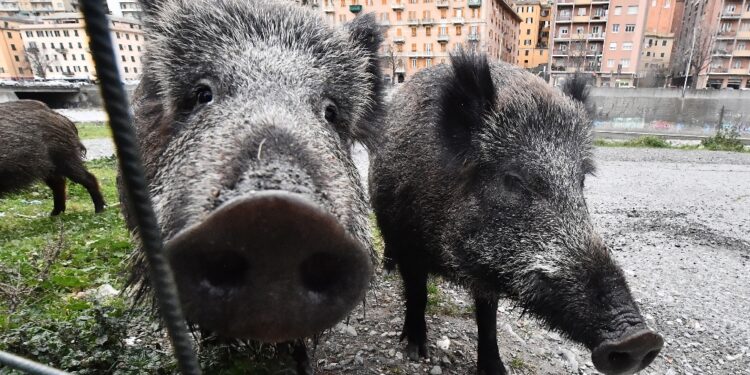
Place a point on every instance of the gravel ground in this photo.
(679, 224)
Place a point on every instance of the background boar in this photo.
(245, 115)
(479, 178)
(39, 144)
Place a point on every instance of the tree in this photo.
(696, 46)
(39, 64)
(391, 59)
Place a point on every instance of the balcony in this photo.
(581, 19)
(718, 69)
(61, 51)
(474, 37)
(442, 4)
(385, 22)
(397, 6)
(730, 15)
(413, 22)
(563, 19)
(399, 39)
(582, 2)
(474, 3)
(559, 52)
(443, 38)
(724, 34)
(742, 53)
(743, 35)
(739, 71)
(596, 36)
(329, 9)
(400, 69)
(563, 36)
(458, 20)
(428, 21)
(565, 2)
(723, 51)
(599, 18)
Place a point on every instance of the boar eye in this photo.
(203, 95)
(514, 183)
(331, 113)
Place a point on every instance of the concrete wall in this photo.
(664, 111)
(86, 97)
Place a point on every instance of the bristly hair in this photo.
(577, 87)
(466, 97)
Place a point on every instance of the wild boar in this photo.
(39, 144)
(479, 178)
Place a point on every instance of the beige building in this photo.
(13, 62)
(58, 48)
(533, 39)
(658, 41)
(421, 33)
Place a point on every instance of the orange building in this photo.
(421, 33)
(533, 39)
(658, 38)
(622, 45)
(13, 61)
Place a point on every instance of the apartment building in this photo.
(13, 62)
(622, 44)
(579, 31)
(58, 48)
(125, 8)
(730, 55)
(658, 39)
(421, 33)
(697, 32)
(533, 39)
(36, 7)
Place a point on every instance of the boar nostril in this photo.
(649, 358)
(322, 272)
(225, 270)
(620, 359)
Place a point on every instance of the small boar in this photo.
(245, 115)
(479, 178)
(39, 144)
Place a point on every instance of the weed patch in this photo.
(90, 130)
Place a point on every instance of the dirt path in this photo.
(679, 224)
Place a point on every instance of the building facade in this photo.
(533, 39)
(698, 30)
(622, 44)
(125, 8)
(58, 47)
(13, 61)
(658, 42)
(730, 57)
(36, 7)
(422, 33)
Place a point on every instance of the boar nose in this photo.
(628, 354)
(271, 266)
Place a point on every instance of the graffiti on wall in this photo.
(640, 124)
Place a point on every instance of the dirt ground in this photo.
(679, 224)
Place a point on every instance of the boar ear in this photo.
(576, 88)
(467, 96)
(365, 32)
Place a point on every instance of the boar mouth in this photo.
(270, 266)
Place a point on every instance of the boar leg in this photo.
(80, 175)
(299, 353)
(415, 292)
(488, 356)
(57, 184)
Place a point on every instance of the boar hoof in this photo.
(492, 368)
(416, 351)
(99, 210)
(55, 212)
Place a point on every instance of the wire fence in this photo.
(120, 121)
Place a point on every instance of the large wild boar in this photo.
(245, 116)
(479, 178)
(39, 144)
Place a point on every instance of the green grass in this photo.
(90, 130)
(719, 142)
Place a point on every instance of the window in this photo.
(616, 28)
(414, 63)
(629, 28)
(581, 11)
(633, 9)
(526, 53)
(625, 63)
(528, 31)
(648, 54)
(662, 54)
(627, 46)
(563, 31)
(126, 69)
(413, 31)
(13, 47)
(613, 46)
(123, 58)
(618, 11)
(663, 43)
(737, 64)
(16, 58)
(610, 63)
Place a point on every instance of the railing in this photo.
(329, 9)
(727, 33)
(442, 3)
(443, 38)
(559, 52)
(458, 20)
(719, 69)
(474, 37)
(563, 18)
(475, 3)
(385, 22)
(413, 22)
(428, 21)
(398, 39)
(730, 14)
(397, 6)
(596, 36)
(723, 51)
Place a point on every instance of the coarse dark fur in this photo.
(275, 70)
(479, 178)
(39, 144)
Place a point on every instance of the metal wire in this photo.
(27, 366)
(120, 120)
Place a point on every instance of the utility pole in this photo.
(690, 59)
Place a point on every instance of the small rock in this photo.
(359, 360)
(444, 343)
(399, 356)
(392, 353)
(570, 358)
(345, 328)
(436, 370)
(554, 336)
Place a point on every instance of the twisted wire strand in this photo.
(120, 120)
(27, 366)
